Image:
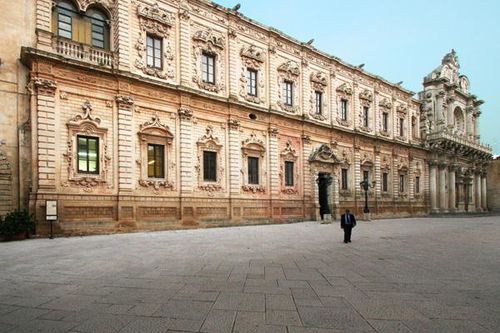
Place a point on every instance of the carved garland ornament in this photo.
(87, 125)
(318, 84)
(289, 71)
(210, 42)
(289, 155)
(157, 22)
(209, 142)
(252, 57)
(155, 132)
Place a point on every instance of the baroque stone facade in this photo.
(306, 117)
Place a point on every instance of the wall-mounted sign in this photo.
(51, 210)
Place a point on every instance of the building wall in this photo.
(493, 185)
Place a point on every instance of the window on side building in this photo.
(253, 170)
(208, 68)
(88, 154)
(154, 51)
(156, 161)
(289, 173)
(209, 166)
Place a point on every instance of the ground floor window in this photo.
(344, 179)
(289, 173)
(156, 161)
(385, 182)
(209, 166)
(88, 154)
(253, 170)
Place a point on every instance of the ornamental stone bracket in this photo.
(44, 87)
(124, 102)
(185, 113)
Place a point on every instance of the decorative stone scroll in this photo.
(44, 86)
(211, 42)
(156, 132)
(157, 22)
(289, 71)
(253, 58)
(87, 125)
(209, 142)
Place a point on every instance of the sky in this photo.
(400, 40)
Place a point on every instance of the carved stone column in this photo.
(186, 150)
(461, 194)
(310, 187)
(477, 184)
(274, 161)
(433, 185)
(484, 198)
(452, 189)
(46, 132)
(443, 204)
(125, 143)
(378, 176)
(357, 171)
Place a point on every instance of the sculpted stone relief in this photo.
(87, 125)
(157, 22)
(206, 40)
(253, 58)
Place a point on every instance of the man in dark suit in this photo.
(347, 222)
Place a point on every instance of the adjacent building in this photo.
(140, 115)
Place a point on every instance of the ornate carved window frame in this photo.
(213, 43)
(156, 22)
(253, 58)
(385, 106)
(155, 132)
(365, 101)
(253, 147)
(402, 113)
(345, 163)
(366, 164)
(289, 71)
(344, 92)
(386, 167)
(402, 169)
(209, 142)
(319, 82)
(90, 126)
(289, 155)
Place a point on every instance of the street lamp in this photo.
(365, 185)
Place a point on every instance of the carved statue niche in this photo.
(289, 72)
(289, 155)
(206, 40)
(157, 22)
(253, 58)
(89, 126)
(210, 143)
(157, 133)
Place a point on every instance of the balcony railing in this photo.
(78, 51)
(460, 139)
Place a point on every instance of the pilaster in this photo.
(45, 90)
(184, 48)
(125, 143)
(452, 189)
(234, 157)
(377, 175)
(484, 198)
(443, 203)
(272, 85)
(308, 182)
(357, 171)
(478, 201)
(433, 185)
(234, 69)
(186, 150)
(122, 34)
(274, 160)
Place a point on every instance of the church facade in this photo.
(180, 114)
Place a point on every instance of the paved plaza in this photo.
(406, 275)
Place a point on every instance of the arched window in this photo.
(90, 28)
(63, 18)
(99, 29)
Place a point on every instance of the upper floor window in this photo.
(88, 154)
(153, 51)
(90, 28)
(319, 102)
(385, 121)
(365, 116)
(251, 82)
(289, 173)
(253, 170)
(208, 68)
(343, 109)
(210, 166)
(288, 93)
(401, 127)
(156, 161)
(344, 183)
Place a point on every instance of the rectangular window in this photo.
(288, 93)
(253, 170)
(385, 121)
(288, 173)
(98, 33)
(365, 116)
(417, 184)
(343, 109)
(401, 183)
(88, 154)
(209, 166)
(319, 102)
(366, 175)
(385, 182)
(401, 127)
(154, 51)
(156, 161)
(251, 82)
(344, 179)
(64, 22)
(208, 68)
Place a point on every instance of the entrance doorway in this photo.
(324, 181)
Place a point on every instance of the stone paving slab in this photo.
(408, 275)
